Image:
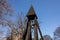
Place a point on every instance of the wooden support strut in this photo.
(39, 29)
(40, 32)
(35, 31)
(28, 35)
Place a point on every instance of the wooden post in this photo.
(28, 35)
(35, 33)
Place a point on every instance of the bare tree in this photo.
(4, 38)
(18, 29)
(47, 37)
(57, 34)
(5, 10)
(21, 21)
(1, 32)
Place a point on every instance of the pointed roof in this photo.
(31, 12)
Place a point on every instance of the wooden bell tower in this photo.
(32, 19)
(32, 24)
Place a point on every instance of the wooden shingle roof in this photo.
(31, 12)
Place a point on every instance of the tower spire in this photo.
(31, 12)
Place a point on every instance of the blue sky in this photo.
(48, 12)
